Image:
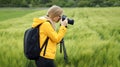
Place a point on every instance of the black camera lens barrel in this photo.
(70, 21)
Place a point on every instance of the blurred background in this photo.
(62, 3)
(93, 40)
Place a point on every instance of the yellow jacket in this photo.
(47, 30)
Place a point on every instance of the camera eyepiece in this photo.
(70, 21)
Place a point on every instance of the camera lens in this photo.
(70, 21)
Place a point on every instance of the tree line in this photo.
(62, 3)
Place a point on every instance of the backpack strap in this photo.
(44, 45)
(46, 42)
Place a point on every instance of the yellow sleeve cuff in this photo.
(63, 28)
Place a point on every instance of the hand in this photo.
(64, 23)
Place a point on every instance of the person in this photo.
(48, 29)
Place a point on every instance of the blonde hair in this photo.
(54, 11)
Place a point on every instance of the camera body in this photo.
(70, 21)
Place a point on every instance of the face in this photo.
(57, 18)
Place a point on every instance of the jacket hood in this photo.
(37, 21)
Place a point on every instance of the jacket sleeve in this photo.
(52, 34)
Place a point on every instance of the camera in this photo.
(70, 21)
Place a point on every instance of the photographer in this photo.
(47, 29)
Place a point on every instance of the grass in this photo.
(9, 13)
(93, 41)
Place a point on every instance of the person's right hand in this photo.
(64, 23)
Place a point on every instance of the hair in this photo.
(54, 11)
